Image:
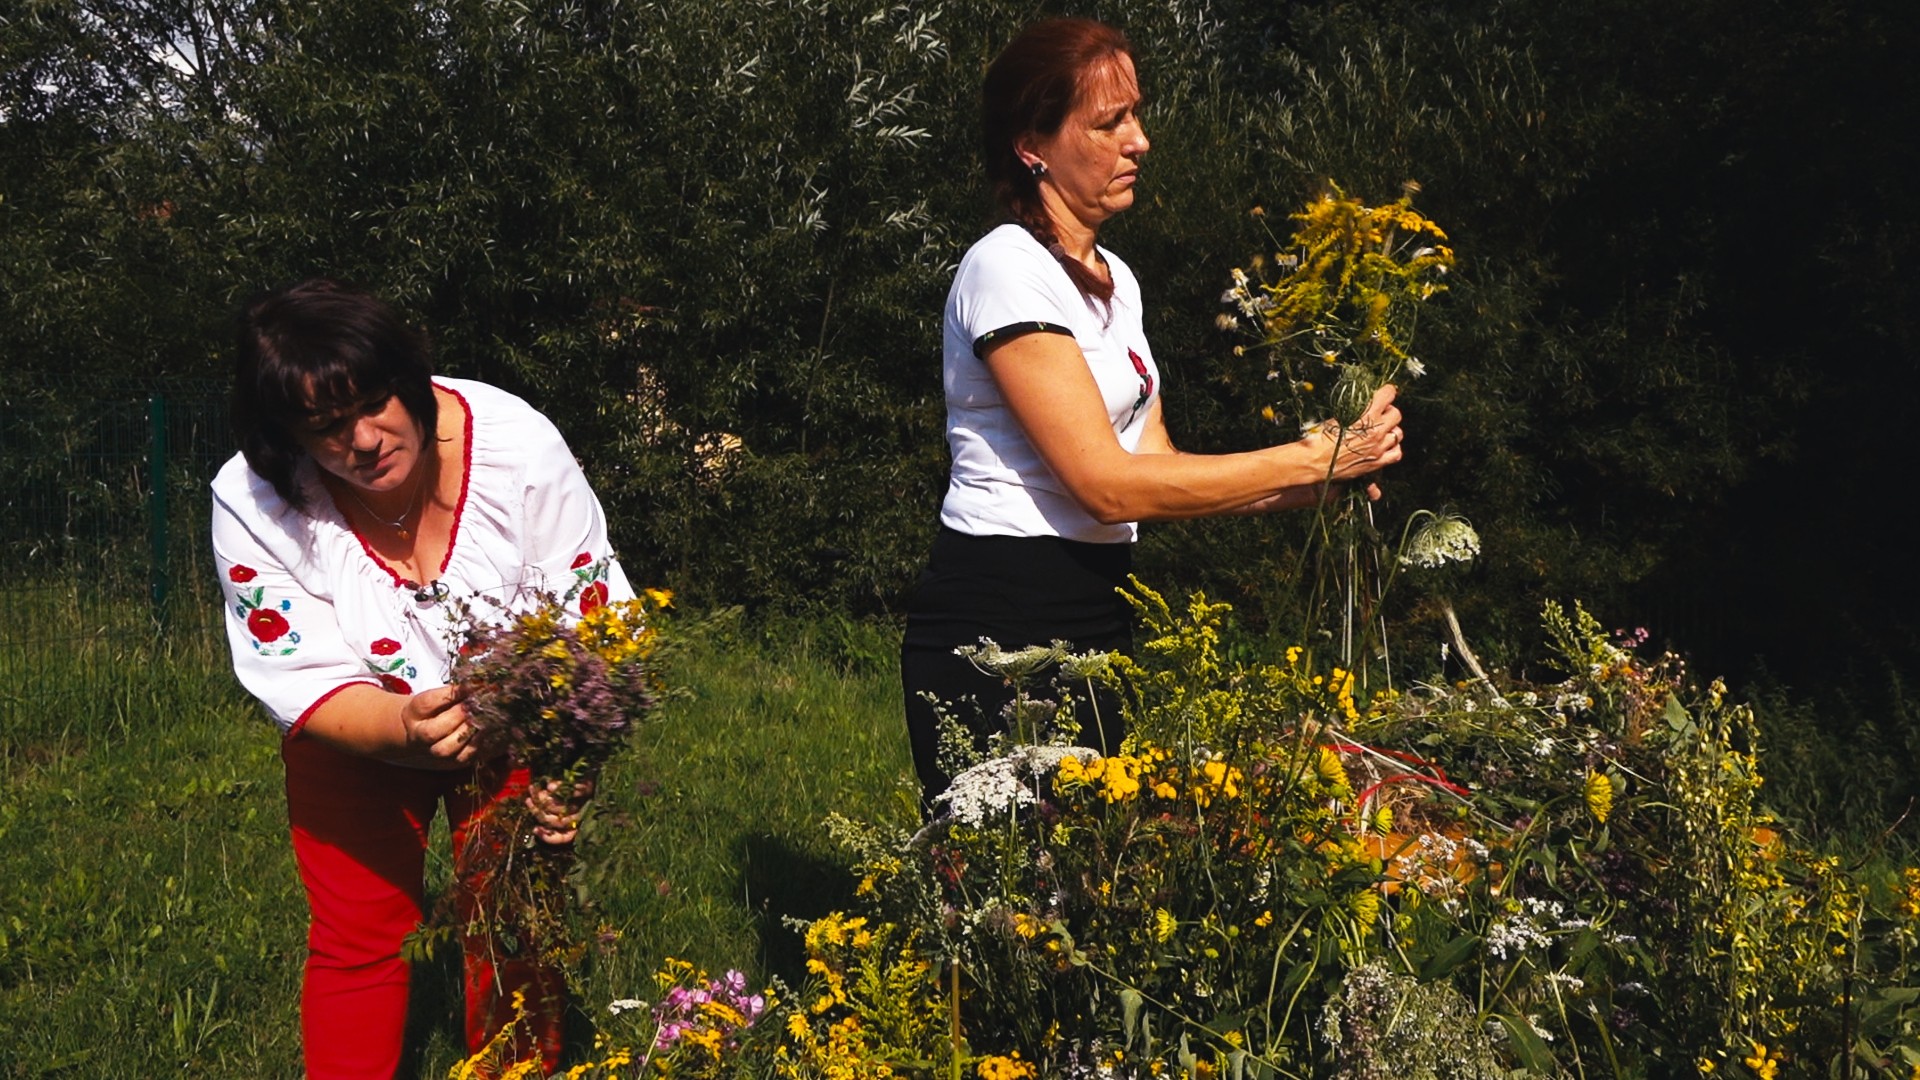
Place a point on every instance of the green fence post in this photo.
(157, 504)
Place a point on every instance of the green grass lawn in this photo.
(152, 923)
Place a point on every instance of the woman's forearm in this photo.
(1046, 384)
(1174, 486)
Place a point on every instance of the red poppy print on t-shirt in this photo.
(240, 575)
(581, 560)
(395, 684)
(266, 624)
(386, 646)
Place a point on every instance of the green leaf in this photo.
(1130, 1002)
(1676, 716)
(1549, 861)
(1532, 1050)
(1881, 1005)
(1449, 956)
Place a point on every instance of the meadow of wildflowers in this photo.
(1332, 316)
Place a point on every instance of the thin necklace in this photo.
(399, 524)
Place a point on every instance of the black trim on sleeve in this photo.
(1007, 333)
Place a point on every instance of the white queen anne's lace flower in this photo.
(1002, 785)
(1016, 664)
(987, 790)
(1441, 539)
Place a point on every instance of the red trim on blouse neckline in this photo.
(398, 581)
(466, 480)
(301, 722)
(459, 508)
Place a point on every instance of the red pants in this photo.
(360, 838)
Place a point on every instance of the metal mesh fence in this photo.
(103, 529)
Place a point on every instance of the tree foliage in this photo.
(712, 241)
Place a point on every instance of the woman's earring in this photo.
(1038, 169)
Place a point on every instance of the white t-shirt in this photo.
(1009, 284)
(311, 610)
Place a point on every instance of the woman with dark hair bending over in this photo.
(1053, 399)
(366, 494)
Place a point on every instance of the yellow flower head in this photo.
(1071, 773)
(1008, 1067)
(1221, 779)
(1119, 778)
(1365, 906)
(1599, 793)
(1330, 770)
(1383, 819)
(1164, 924)
(1910, 893)
(1763, 1062)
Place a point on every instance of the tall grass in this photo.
(154, 924)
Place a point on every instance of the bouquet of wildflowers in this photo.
(1335, 325)
(559, 695)
(1338, 321)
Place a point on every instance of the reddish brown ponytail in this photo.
(1030, 88)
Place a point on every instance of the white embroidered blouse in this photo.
(310, 609)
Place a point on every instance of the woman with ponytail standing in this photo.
(1053, 400)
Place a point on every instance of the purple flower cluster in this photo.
(556, 703)
(723, 1007)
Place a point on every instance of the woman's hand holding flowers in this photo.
(1368, 445)
(434, 730)
(556, 814)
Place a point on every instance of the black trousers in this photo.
(1016, 591)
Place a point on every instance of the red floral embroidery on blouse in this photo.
(240, 575)
(386, 646)
(593, 596)
(395, 684)
(581, 560)
(266, 624)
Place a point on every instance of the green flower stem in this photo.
(1176, 1013)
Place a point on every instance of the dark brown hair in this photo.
(320, 348)
(1030, 88)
